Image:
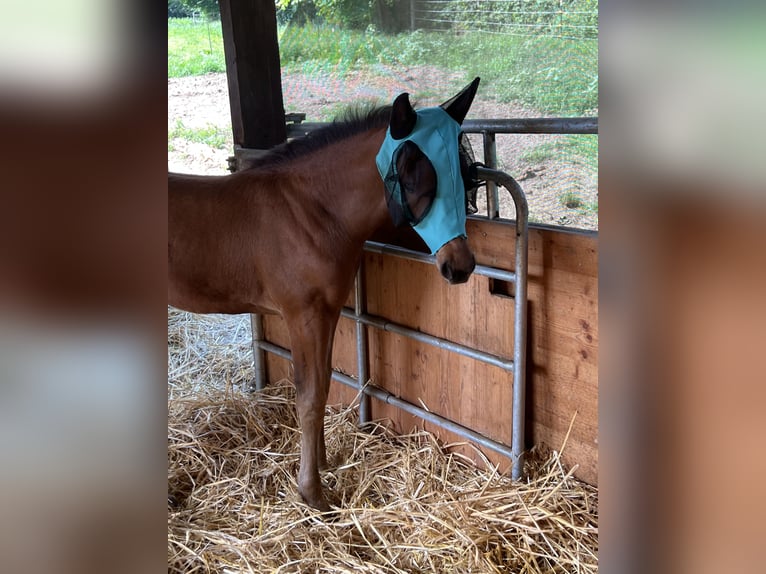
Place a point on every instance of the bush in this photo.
(298, 12)
(563, 18)
(386, 15)
(177, 9)
(207, 7)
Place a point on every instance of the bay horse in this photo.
(286, 234)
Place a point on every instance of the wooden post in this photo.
(252, 66)
(254, 75)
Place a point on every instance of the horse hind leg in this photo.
(311, 340)
(322, 464)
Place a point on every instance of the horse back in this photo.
(213, 231)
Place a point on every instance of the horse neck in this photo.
(353, 191)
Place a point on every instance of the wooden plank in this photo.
(253, 72)
(563, 250)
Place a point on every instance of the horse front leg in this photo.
(311, 337)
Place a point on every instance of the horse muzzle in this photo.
(455, 261)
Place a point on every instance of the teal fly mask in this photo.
(433, 202)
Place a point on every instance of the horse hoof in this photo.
(316, 501)
(322, 506)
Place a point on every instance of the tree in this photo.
(388, 15)
(207, 7)
(176, 9)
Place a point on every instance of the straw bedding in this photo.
(404, 504)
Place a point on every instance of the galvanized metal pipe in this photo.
(388, 398)
(490, 160)
(581, 125)
(259, 363)
(533, 126)
(385, 325)
(404, 253)
(361, 345)
(433, 418)
(520, 314)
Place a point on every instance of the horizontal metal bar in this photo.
(388, 249)
(388, 398)
(582, 125)
(433, 418)
(533, 126)
(385, 325)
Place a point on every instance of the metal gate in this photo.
(515, 363)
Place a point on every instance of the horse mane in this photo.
(354, 120)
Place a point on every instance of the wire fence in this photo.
(566, 19)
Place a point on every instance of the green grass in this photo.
(590, 207)
(542, 153)
(581, 149)
(194, 48)
(552, 75)
(210, 135)
(322, 48)
(571, 200)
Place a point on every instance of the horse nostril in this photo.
(459, 277)
(446, 271)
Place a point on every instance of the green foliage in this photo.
(570, 200)
(557, 71)
(177, 9)
(210, 135)
(561, 18)
(386, 15)
(321, 47)
(551, 75)
(296, 12)
(194, 47)
(579, 149)
(209, 8)
(353, 14)
(541, 153)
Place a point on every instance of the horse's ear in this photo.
(403, 117)
(457, 106)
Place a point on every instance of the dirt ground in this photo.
(202, 101)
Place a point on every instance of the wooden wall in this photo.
(562, 372)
